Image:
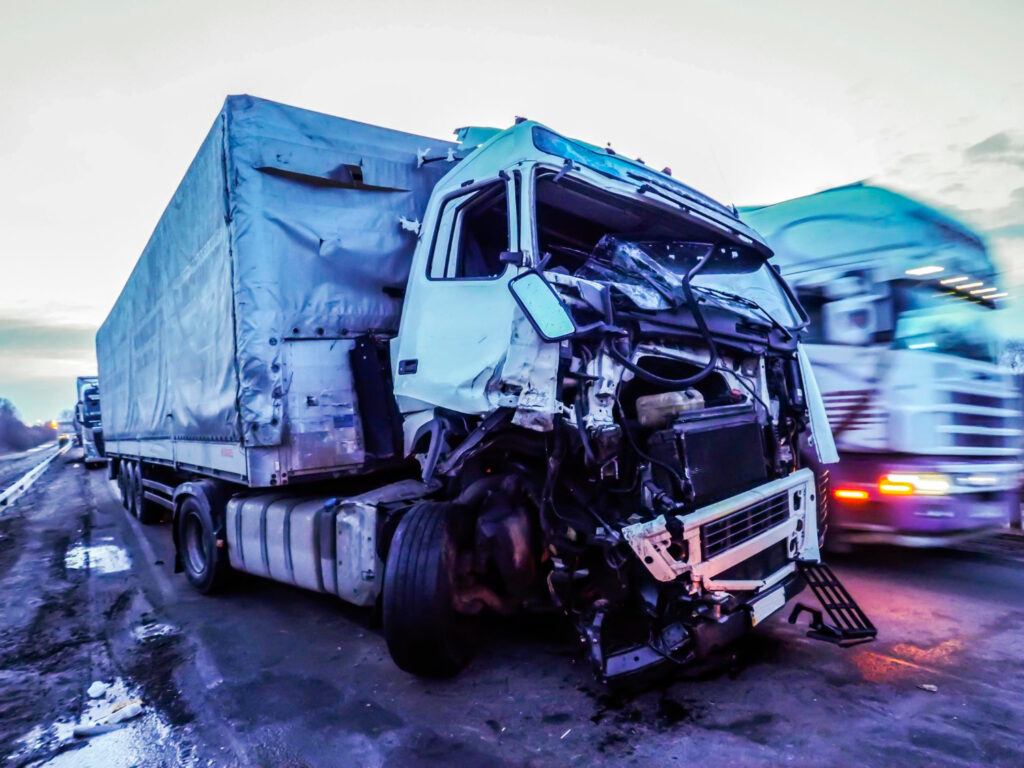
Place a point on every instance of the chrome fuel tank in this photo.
(326, 544)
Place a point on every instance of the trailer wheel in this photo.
(205, 565)
(425, 634)
(147, 512)
(123, 472)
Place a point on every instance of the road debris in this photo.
(929, 687)
(97, 689)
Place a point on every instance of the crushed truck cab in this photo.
(594, 397)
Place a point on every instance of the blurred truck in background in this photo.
(901, 298)
(499, 374)
(88, 426)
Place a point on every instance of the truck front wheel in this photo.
(205, 565)
(425, 634)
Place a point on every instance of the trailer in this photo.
(453, 377)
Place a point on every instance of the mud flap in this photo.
(849, 624)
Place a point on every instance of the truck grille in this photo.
(727, 532)
(983, 415)
(855, 409)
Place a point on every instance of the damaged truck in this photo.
(503, 374)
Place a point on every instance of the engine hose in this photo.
(702, 327)
(588, 453)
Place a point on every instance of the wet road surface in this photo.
(268, 675)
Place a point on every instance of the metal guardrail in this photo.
(10, 494)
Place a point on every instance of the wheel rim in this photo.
(194, 546)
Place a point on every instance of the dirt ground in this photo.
(273, 676)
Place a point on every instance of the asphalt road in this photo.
(272, 676)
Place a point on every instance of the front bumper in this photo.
(722, 536)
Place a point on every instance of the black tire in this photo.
(123, 471)
(424, 633)
(206, 566)
(147, 512)
(130, 478)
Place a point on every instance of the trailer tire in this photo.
(204, 563)
(147, 512)
(130, 480)
(425, 634)
(123, 472)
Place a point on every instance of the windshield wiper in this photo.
(747, 303)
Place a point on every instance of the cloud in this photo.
(997, 148)
(36, 337)
(39, 360)
(1008, 231)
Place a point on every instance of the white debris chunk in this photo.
(97, 689)
(409, 225)
(120, 712)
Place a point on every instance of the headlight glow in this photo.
(922, 484)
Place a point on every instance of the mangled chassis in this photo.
(623, 556)
(678, 587)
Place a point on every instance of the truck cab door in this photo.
(458, 316)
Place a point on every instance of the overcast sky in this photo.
(103, 104)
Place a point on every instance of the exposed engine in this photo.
(663, 415)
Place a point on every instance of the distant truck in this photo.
(66, 431)
(498, 374)
(88, 426)
(928, 426)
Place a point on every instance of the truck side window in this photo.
(475, 230)
(813, 302)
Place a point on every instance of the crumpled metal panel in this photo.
(285, 226)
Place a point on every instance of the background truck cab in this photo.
(927, 424)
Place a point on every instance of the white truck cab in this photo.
(902, 299)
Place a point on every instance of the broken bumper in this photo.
(779, 517)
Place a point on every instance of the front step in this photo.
(849, 624)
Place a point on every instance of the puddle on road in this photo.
(102, 558)
(144, 740)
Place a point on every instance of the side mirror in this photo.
(542, 306)
(850, 321)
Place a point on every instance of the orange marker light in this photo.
(850, 494)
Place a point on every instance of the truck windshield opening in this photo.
(647, 251)
(942, 321)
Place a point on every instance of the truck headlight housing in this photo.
(914, 484)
